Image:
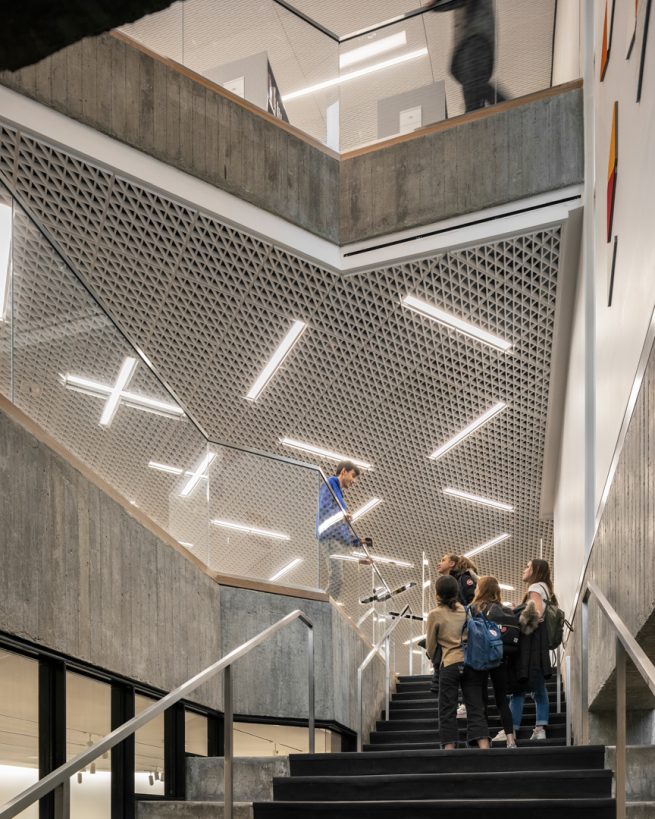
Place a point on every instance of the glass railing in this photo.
(350, 75)
(243, 514)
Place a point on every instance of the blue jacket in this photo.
(327, 507)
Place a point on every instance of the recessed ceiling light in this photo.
(286, 569)
(171, 470)
(126, 372)
(357, 55)
(471, 428)
(414, 640)
(324, 453)
(426, 583)
(283, 350)
(338, 516)
(437, 314)
(506, 587)
(5, 256)
(493, 542)
(392, 561)
(197, 474)
(467, 496)
(353, 75)
(251, 530)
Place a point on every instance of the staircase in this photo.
(402, 774)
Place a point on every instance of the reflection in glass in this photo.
(19, 735)
(149, 751)
(88, 719)
(195, 733)
(252, 739)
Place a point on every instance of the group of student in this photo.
(524, 668)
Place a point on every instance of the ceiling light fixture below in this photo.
(286, 569)
(469, 430)
(197, 474)
(437, 314)
(250, 530)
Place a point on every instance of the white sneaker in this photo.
(539, 732)
(501, 736)
(461, 712)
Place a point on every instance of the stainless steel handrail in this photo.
(626, 646)
(360, 671)
(59, 779)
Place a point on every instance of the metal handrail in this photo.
(626, 646)
(360, 703)
(59, 779)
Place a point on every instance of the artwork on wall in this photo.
(631, 28)
(612, 168)
(608, 26)
(612, 268)
(643, 20)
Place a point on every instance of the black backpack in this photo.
(508, 623)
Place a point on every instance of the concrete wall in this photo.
(490, 157)
(481, 160)
(82, 576)
(178, 117)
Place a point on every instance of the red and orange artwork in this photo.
(608, 25)
(611, 169)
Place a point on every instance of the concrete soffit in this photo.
(562, 331)
(512, 219)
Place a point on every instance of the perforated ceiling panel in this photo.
(208, 304)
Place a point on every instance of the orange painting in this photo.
(611, 170)
(608, 25)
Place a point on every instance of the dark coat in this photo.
(533, 655)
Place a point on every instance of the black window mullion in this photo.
(122, 755)
(174, 756)
(52, 725)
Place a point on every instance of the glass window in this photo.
(149, 751)
(88, 719)
(195, 733)
(252, 739)
(19, 727)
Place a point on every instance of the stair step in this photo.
(475, 785)
(551, 686)
(408, 724)
(431, 702)
(427, 746)
(404, 696)
(432, 734)
(432, 714)
(382, 762)
(429, 809)
(165, 809)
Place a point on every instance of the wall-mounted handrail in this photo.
(384, 640)
(626, 646)
(59, 779)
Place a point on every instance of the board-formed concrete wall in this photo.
(83, 576)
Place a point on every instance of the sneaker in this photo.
(461, 712)
(539, 732)
(501, 736)
(511, 743)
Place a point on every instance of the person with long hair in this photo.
(532, 665)
(444, 630)
(487, 601)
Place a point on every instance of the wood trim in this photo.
(465, 119)
(22, 419)
(222, 92)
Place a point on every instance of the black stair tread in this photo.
(407, 723)
(432, 715)
(418, 746)
(449, 785)
(427, 734)
(530, 756)
(426, 809)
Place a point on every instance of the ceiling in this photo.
(206, 34)
(208, 304)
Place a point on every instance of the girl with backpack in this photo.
(487, 602)
(444, 630)
(532, 663)
(464, 571)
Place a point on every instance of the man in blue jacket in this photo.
(332, 523)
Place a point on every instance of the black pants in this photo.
(472, 681)
(498, 678)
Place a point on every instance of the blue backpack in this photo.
(484, 646)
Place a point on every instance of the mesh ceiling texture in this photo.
(208, 304)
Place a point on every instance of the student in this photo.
(532, 664)
(487, 601)
(444, 630)
(338, 536)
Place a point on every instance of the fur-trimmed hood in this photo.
(529, 618)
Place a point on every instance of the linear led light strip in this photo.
(437, 314)
(197, 474)
(324, 453)
(285, 347)
(467, 496)
(286, 569)
(353, 75)
(251, 530)
(414, 640)
(5, 257)
(469, 430)
(328, 522)
(506, 587)
(392, 561)
(493, 542)
(357, 55)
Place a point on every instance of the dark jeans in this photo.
(498, 678)
(450, 679)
